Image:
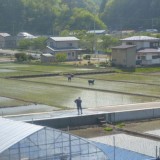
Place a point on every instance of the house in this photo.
(25, 35)
(142, 42)
(148, 56)
(67, 45)
(7, 41)
(147, 49)
(124, 55)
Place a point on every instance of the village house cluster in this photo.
(136, 50)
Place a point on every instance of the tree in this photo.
(61, 57)
(109, 41)
(36, 43)
(21, 57)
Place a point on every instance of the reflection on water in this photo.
(92, 99)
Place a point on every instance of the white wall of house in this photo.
(72, 55)
(2, 42)
(62, 44)
(138, 44)
(147, 59)
(67, 44)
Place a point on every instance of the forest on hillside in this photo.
(131, 14)
(54, 16)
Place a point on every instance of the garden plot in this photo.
(101, 85)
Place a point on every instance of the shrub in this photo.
(120, 125)
(21, 57)
(87, 57)
(108, 129)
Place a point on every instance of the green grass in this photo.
(148, 69)
(120, 125)
(108, 129)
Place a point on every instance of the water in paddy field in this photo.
(6, 70)
(94, 99)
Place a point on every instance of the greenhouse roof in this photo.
(12, 132)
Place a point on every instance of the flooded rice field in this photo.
(95, 99)
(108, 89)
(6, 70)
(101, 85)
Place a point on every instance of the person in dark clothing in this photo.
(78, 102)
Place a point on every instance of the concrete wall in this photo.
(70, 121)
(85, 120)
(133, 115)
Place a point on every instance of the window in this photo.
(129, 43)
(70, 44)
(154, 44)
(143, 57)
(155, 56)
(51, 44)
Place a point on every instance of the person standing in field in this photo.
(78, 102)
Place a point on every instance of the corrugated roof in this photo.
(47, 55)
(4, 34)
(64, 38)
(12, 132)
(26, 35)
(140, 38)
(123, 46)
(96, 31)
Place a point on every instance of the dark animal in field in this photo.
(91, 82)
(69, 78)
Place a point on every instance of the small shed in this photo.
(47, 58)
(124, 55)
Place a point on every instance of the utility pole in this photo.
(94, 42)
